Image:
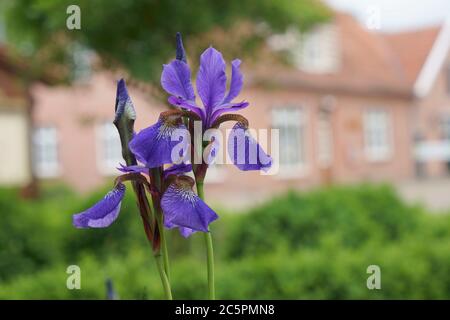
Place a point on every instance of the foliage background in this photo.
(315, 245)
(138, 35)
(298, 246)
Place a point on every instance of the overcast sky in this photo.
(395, 15)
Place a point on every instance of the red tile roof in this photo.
(412, 49)
(371, 63)
(11, 84)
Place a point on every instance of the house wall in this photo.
(430, 113)
(76, 112)
(14, 146)
(349, 161)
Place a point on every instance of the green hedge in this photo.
(313, 245)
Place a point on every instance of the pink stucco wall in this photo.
(75, 111)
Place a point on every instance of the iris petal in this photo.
(185, 232)
(245, 152)
(189, 105)
(132, 169)
(229, 107)
(211, 79)
(236, 81)
(153, 146)
(176, 80)
(183, 208)
(104, 212)
(177, 169)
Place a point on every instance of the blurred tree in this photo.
(136, 35)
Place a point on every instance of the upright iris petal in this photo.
(236, 81)
(183, 208)
(245, 152)
(176, 80)
(211, 79)
(154, 147)
(104, 212)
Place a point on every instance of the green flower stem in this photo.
(209, 251)
(165, 251)
(162, 274)
(162, 261)
(156, 177)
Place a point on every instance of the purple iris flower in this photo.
(104, 212)
(184, 209)
(177, 169)
(211, 88)
(249, 157)
(154, 145)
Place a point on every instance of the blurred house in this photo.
(74, 138)
(425, 60)
(352, 105)
(14, 124)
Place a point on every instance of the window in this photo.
(315, 51)
(109, 148)
(292, 138)
(377, 136)
(319, 50)
(82, 63)
(445, 127)
(324, 140)
(448, 79)
(45, 152)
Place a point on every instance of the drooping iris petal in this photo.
(212, 150)
(179, 102)
(229, 107)
(104, 212)
(245, 152)
(132, 169)
(236, 81)
(177, 169)
(185, 232)
(183, 208)
(211, 79)
(154, 146)
(176, 80)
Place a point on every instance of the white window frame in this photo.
(319, 50)
(283, 118)
(325, 140)
(445, 127)
(447, 79)
(45, 152)
(106, 133)
(378, 147)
